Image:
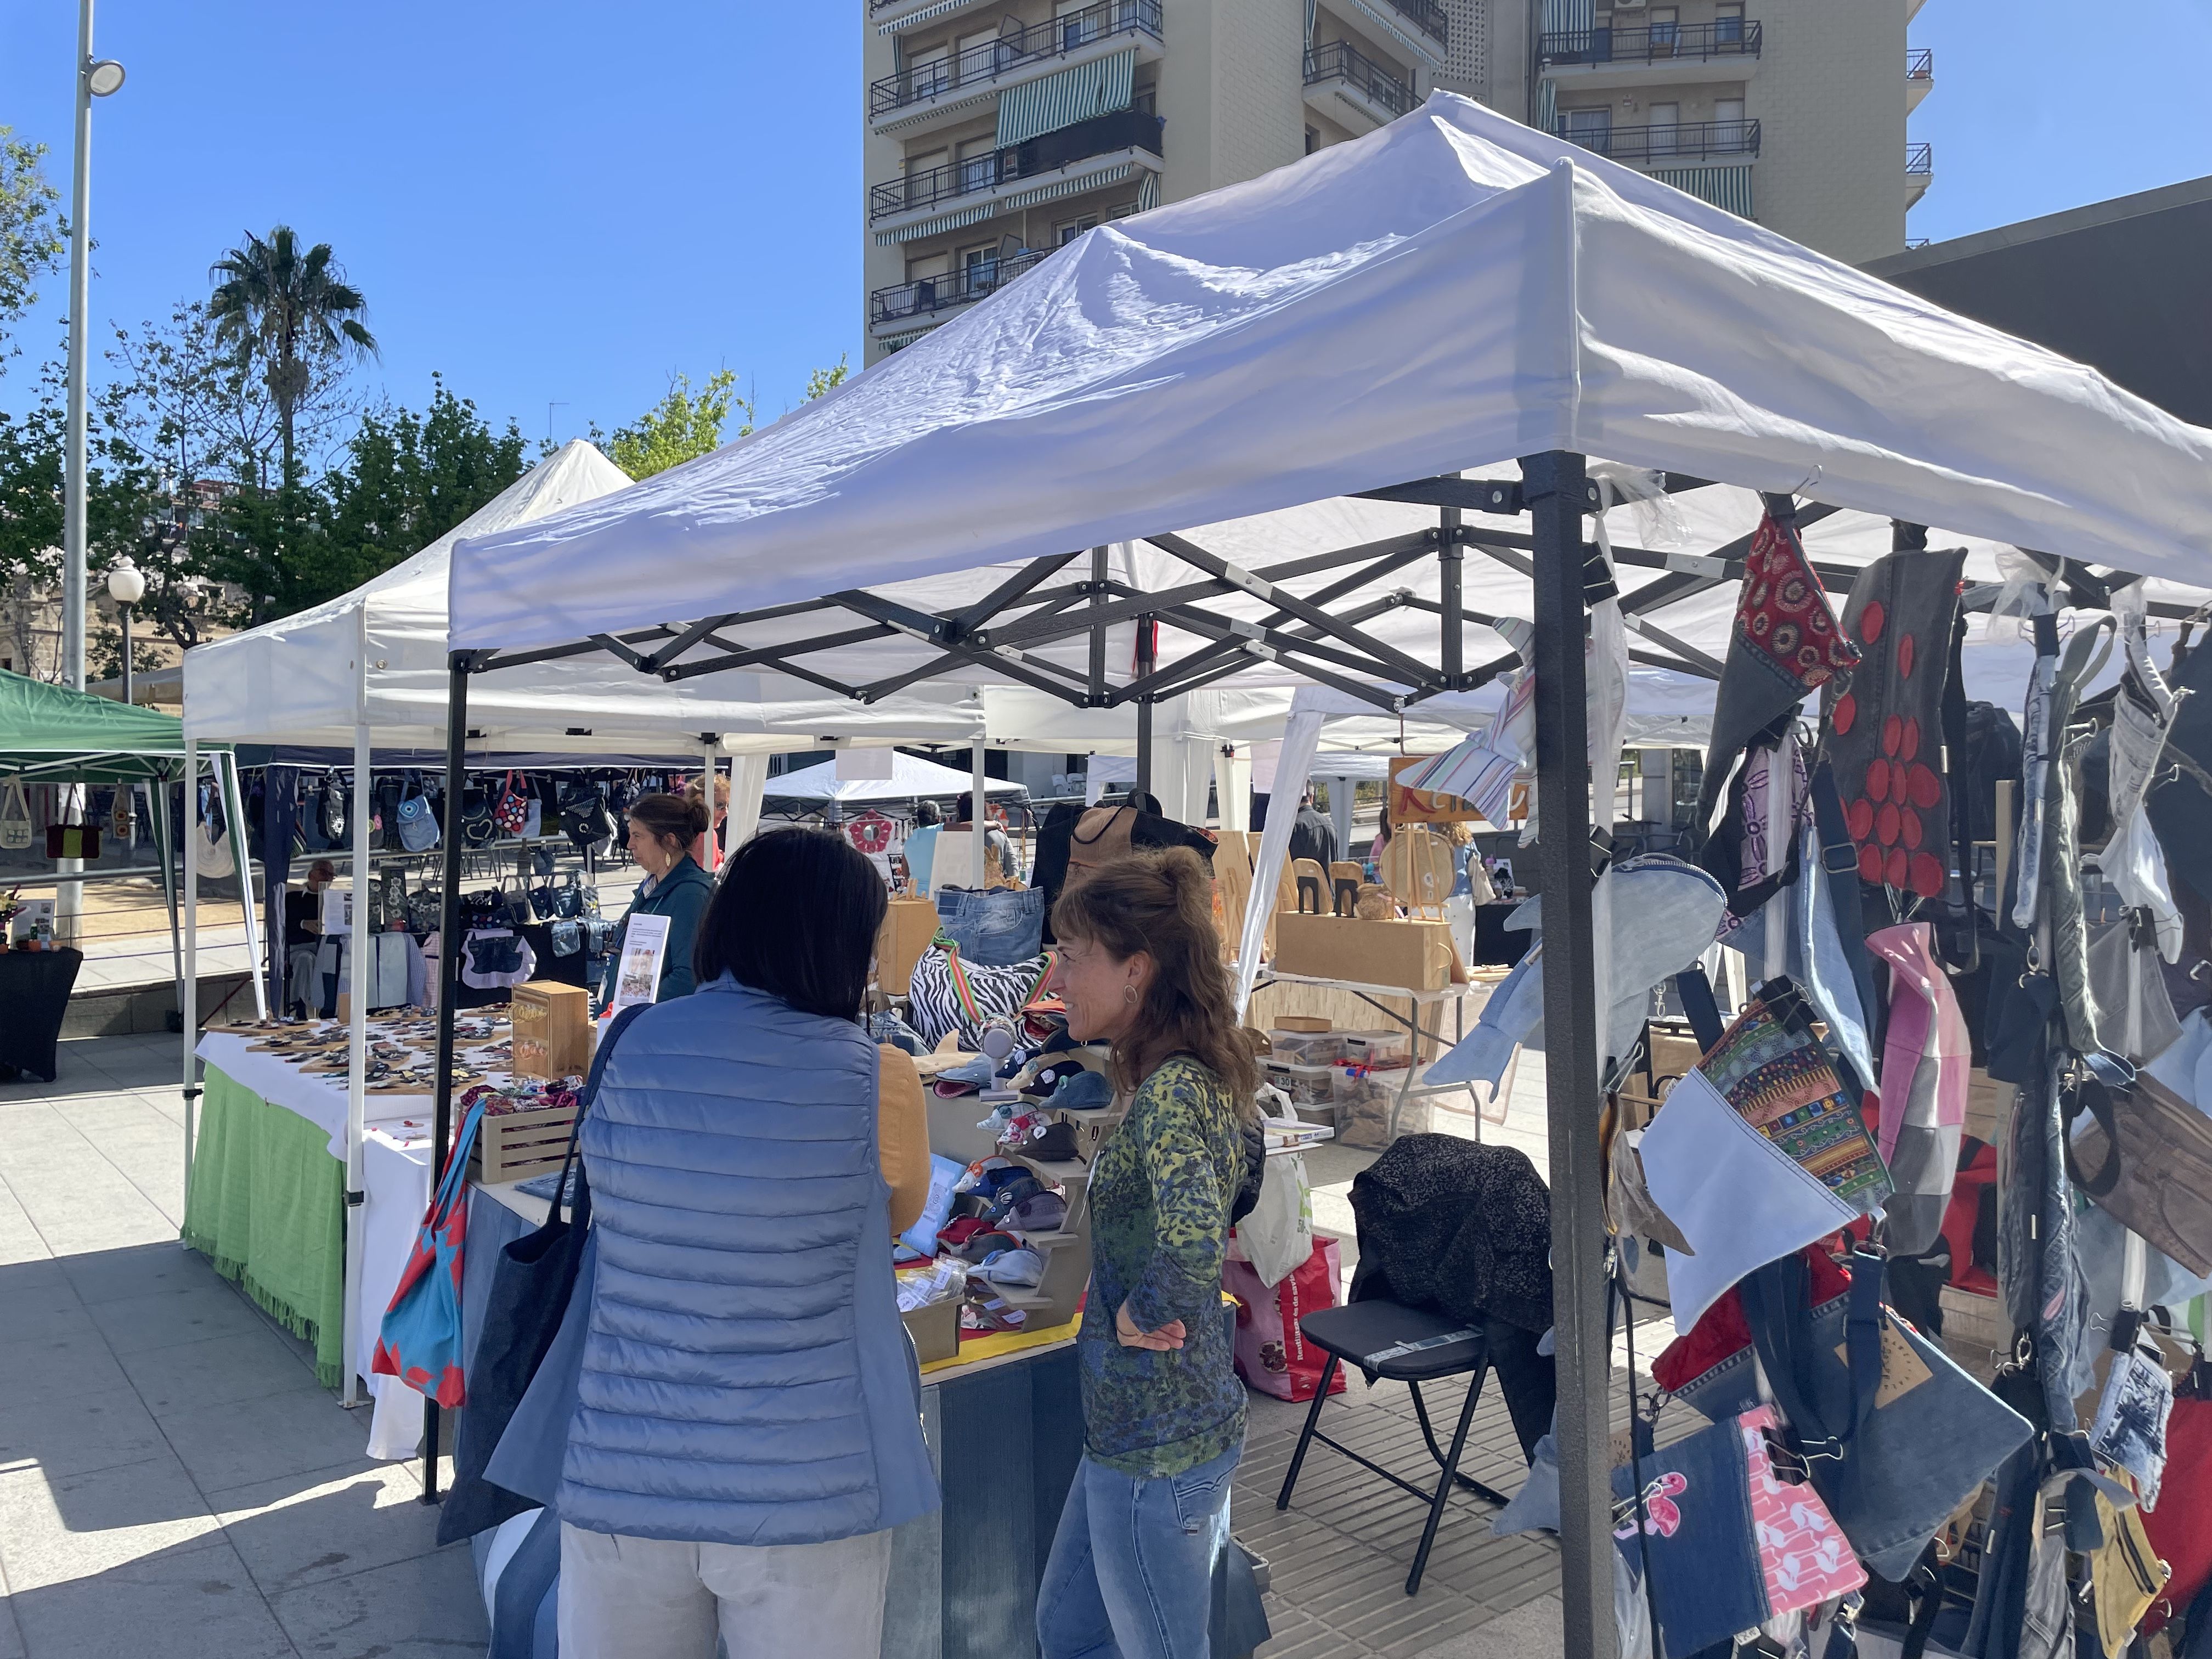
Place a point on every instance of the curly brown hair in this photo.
(1161, 904)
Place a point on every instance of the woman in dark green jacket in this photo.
(662, 829)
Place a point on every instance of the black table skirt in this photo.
(34, 989)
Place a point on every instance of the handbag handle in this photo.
(2093, 1093)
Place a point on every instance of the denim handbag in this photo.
(1896, 1435)
(418, 825)
(993, 929)
(532, 1285)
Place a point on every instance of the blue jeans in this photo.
(1131, 1573)
(993, 929)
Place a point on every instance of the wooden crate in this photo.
(516, 1145)
(935, 1327)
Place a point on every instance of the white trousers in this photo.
(644, 1598)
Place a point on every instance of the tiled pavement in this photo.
(173, 1481)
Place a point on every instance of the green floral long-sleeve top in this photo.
(1160, 1192)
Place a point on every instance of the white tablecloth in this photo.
(395, 1176)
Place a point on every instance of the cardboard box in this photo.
(908, 926)
(935, 1327)
(1418, 955)
(552, 1030)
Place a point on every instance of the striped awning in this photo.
(1098, 88)
(1067, 187)
(922, 16)
(936, 112)
(967, 216)
(1393, 24)
(1148, 191)
(1724, 187)
(1569, 16)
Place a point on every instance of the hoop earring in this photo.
(1129, 995)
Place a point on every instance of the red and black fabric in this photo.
(1885, 729)
(1785, 646)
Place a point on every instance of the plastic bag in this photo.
(1277, 1236)
(1272, 1353)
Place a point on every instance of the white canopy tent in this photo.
(911, 778)
(1448, 293)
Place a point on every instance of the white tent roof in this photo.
(298, 680)
(1451, 291)
(911, 778)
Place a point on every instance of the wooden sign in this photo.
(1420, 806)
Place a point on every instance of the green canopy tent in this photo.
(50, 734)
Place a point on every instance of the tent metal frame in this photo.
(1002, 631)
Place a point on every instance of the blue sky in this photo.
(557, 204)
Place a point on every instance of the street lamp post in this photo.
(126, 586)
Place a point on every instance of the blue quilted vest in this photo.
(746, 1379)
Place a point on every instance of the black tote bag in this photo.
(529, 1291)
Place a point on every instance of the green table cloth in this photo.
(267, 1208)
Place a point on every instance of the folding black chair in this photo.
(1406, 1345)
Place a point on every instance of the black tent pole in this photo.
(1552, 484)
(449, 977)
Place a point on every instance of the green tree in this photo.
(826, 380)
(682, 427)
(31, 229)
(293, 311)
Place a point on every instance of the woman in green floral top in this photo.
(1131, 1571)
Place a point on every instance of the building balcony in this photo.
(1682, 143)
(903, 307)
(1919, 171)
(1353, 90)
(1427, 16)
(1421, 27)
(1656, 54)
(1919, 77)
(950, 88)
(891, 16)
(1103, 147)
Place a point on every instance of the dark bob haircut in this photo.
(795, 916)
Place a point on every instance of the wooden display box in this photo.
(516, 1145)
(908, 926)
(1418, 955)
(552, 1030)
(935, 1329)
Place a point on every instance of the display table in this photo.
(267, 1208)
(34, 989)
(1004, 1433)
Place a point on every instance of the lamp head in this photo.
(104, 77)
(126, 583)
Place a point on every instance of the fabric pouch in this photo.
(2162, 1189)
(2130, 1431)
(567, 937)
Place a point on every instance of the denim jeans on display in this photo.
(993, 929)
(1131, 1571)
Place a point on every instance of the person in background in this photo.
(747, 1431)
(1312, 837)
(718, 832)
(303, 937)
(663, 828)
(919, 850)
(995, 843)
(1471, 878)
(1380, 845)
(1131, 1570)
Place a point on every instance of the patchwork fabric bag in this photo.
(420, 1340)
(947, 995)
(1926, 1056)
(511, 811)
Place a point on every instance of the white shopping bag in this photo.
(1278, 1234)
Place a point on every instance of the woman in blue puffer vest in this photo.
(747, 1431)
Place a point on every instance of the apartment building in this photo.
(1792, 112)
(999, 130)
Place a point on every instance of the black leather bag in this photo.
(332, 813)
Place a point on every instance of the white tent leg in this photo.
(980, 816)
(356, 1063)
(188, 1002)
(1301, 736)
(227, 777)
(1232, 785)
(165, 845)
(748, 786)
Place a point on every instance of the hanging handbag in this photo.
(331, 814)
(2162, 1186)
(568, 900)
(532, 1285)
(14, 818)
(123, 815)
(425, 911)
(73, 841)
(478, 828)
(567, 937)
(388, 794)
(418, 825)
(512, 809)
(419, 1341)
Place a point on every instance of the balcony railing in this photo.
(1337, 60)
(1686, 140)
(1101, 135)
(1921, 158)
(1427, 16)
(927, 294)
(1920, 65)
(980, 66)
(1654, 43)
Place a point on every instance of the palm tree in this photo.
(287, 305)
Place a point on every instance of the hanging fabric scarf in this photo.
(2142, 718)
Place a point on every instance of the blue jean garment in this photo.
(1131, 1571)
(993, 929)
